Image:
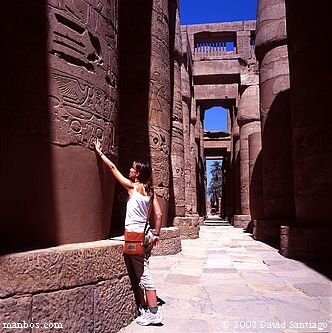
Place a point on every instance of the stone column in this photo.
(309, 56)
(236, 167)
(159, 103)
(60, 92)
(201, 189)
(255, 176)
(193, 154)
(145, 94)
(271, 52)
(248, 121)
(186, 105)
(189, 224)
(177, 184)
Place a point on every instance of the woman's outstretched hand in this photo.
(98, 146)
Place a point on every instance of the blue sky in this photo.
(214, 11)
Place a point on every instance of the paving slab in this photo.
(225, 281)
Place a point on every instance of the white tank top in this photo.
(137, 211)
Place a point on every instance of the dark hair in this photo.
(145, 172)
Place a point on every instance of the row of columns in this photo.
(83, 81)
(280, 144)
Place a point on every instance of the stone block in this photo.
(241, 221)
(114, 305)
(73, 309)
(15, 310)
(60, 267)
(170, 242)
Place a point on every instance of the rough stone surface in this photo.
(73, 308)
(170, 242)
(61, 267)
(114, 305)
(16, 310)
(84, 287)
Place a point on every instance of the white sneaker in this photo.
(149, 318)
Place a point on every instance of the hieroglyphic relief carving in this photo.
(84, 85)
(159, 145)
(81, 112)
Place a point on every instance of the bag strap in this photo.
(147, 225)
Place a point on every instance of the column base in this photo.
(268, 230)
(170, 242)
(306, 243)
(241, 221)
(188, 225)
(81, 277)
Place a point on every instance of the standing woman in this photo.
(141, 200)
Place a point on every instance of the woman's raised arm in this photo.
(125, 182)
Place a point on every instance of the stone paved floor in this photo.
(227, 282)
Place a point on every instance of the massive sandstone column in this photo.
(159, 103)
(177, 185)
(271, 52)
(236, 166)
(61, 92)
(310, 56)
(145, 93)
(248, 119)
(255, 175)
(189, 224)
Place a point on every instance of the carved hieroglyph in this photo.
(83, 79)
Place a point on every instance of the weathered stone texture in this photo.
(16, 310)
(114, 305)
(170, 242)
(73, 308)
(189, 226)
(61, 267)
(85, 287)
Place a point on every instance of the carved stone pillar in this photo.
(186, 105)
(61, 92)
(159, 103)
(255, 176)
(145, 95)
(177, 184)
(308, 31)
(193, 155)
(248, 120)
(236, 168)
(271, 52)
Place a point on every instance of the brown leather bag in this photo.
(134, 243)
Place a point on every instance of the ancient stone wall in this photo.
(84, 287)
